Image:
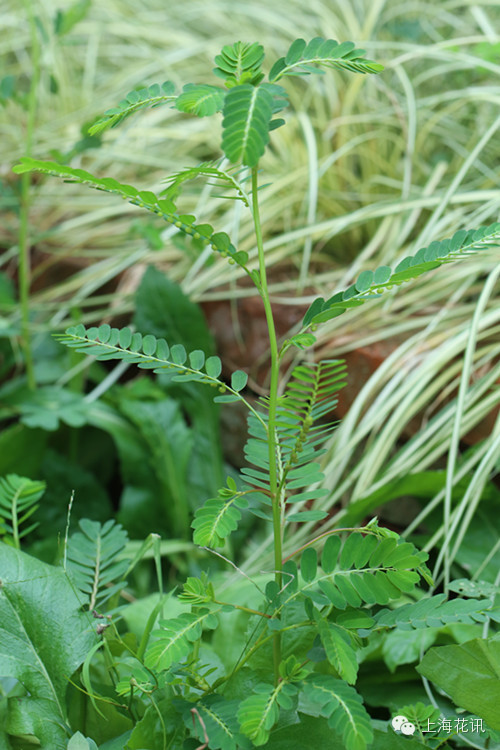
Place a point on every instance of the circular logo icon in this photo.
(401, 724)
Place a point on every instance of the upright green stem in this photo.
(273, 397)
(23, 239)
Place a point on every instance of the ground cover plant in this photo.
(271, 661)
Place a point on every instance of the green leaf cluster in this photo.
(44, 638)
(19, 499)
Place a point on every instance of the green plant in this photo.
(309, 619)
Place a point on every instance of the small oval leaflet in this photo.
(104, 333)
(307, 515)
(213, 367)
(330, 553)
(308, 563)
(162, 349)
(238, 380)
(178, 354)
(364, 281)
(125, 338)
(149, 345)
(136, 342)
(197, 359)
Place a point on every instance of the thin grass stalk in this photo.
(460, 406)
(25, 201)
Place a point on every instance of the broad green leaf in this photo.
(79, 742)
(470, 674)
(44, 638)
(403, 647)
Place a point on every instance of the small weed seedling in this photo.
(297, 654)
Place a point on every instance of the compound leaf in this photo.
(343, 707)
(156, 355)
(371, 285)
(258, 713)
(339, 650)
(214, 521)
(218, 241)
(19, 498)
(175, 639)
(303, 58)
(92, 560)
(247, 114)
(153, 96)
(219, 719)
(200, 99)
(240, 63)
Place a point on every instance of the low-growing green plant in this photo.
(283, 672)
